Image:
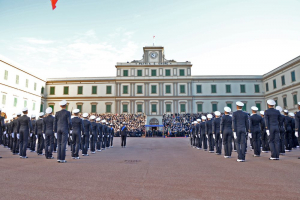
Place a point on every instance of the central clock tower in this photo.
(153, 54)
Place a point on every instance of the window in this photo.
(139, 72)
(182, 89)
(79, 89)
(94, 89)
(108, 89)
(168, 89)
(3, 99)
(153, 89)
(66, 90)
(33, 106)
(108, 108)
(213, 89)
(67, 106)
(244, 107)
(168, 72)
(27, 81)
(125, 108)
(199, 108)
(15, 102)
(229, 105)
(295, 99)
(153, 72)
(34, 86)
(153, 107)
(140, 108)
(256, 88)
(199, 89)
(258, 106)
(79, 107)
(282, 80)
(181, 72)
(182, 107)
(5, 75)
(42, 90)
(276, 103)
(125, 89)
(284, 102)
(168, 107)
(51, 106)
(52, 90)
(94, 108)
(42, 108)
(274, 84)
(293, 76)
(267, 87)
(243, 89)
(125, 72)
(228, 88)
(214, 107)
(140, 89)
(17, 79)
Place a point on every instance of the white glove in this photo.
(91, 136)
(36, 136)
(196, 136)
(207, 136)
(221, 136)
(214, 136)
(44, 136)
(296, 134)
(98, 135)
(250, 135)
(71, 131)
(102, 135)
(108, 136)
(55, 134)
(4, 132)
(18, 136)
(30, 134)
(234, 135)
(71, 137)
(268, 132)
(13, 135)
(6, 135)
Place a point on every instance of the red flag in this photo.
(53, 4)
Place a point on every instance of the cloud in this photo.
(36, 41)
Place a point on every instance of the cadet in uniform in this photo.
(203, 137)
(112, 133)
(123, 135)
(39, 134)
(104, 134)
(198, 142)
(264, 136)
(216, 132)
(255, 130)
(93, 136)
(77, 131)
(62, 126)
(226, 132)
(240, 124)
(209, 133)
(100, 134)
(282, 132)
(48, 130)
(2, 127)
(288, 131)
(86, 136)
(14, 126)
(297, 124)
(272, 120)
(32, 135)
(23, 132)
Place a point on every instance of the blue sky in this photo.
(87, 38)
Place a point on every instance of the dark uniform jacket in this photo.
(49, 124)
(255, 123)
(124, 131)
(77, 126)
(216, 124)
(240, 121)
(272, 118)
(226, 123)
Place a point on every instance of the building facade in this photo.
(155, 85)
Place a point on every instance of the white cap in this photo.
(195, 122)
(76, 111)
(41, 114)
(192, 122)
(63, 102)
(262, 112)
(92, 117)
(103, 121)
(286, 111)
(291, 114)
(49, 110)
(19, 113)
(24, 109)
(72, 116)
(124, 122)
(254, 108)
(198, 120)
(271, 102)
(239, 103)
(227, 109)
(278, 108)
(209, 116)
(85, 115)
(98, 119)
(111, 124)
(33, 116)
(217, 113)
(203, 117)
(106, 122)
(299, 103)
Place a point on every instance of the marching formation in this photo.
(267, 130)
(52, 133)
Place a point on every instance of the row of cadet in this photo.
(52, 133)
(268, 130)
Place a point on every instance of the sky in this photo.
(87, 38)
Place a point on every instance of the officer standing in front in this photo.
(77, 131)
(62, 126)
(123, 135)
(297, 124)
(216, 133)
(272, 120)
(48, 130)
(255, 130)
(240, 124)
(24, 129)
(226, 132)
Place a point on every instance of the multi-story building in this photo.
(155, 85)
